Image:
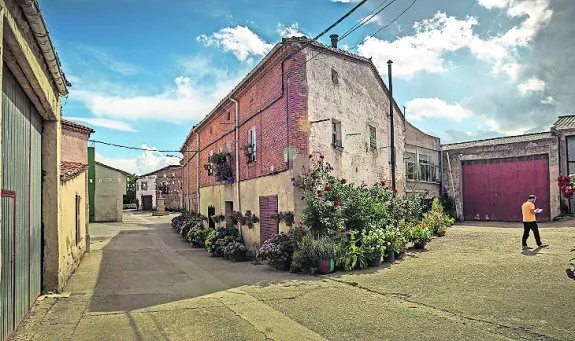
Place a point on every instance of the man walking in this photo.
(530, 222)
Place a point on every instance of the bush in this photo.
(350, 254)
(277, 251)
(309, 252)
(197, 236)
(448, 204)
(374, 243)
(235, 251)
(216, 248)
(436, 219)
(420, 233)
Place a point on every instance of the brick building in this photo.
(166, 182)
(302, 98)
(490, 179)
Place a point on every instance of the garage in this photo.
(494, 189)
(21, 204)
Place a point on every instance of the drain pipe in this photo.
(238, 198)
(452, 184)
(198, 171)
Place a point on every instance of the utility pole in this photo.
(392, 129)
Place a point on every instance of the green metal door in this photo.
(21, 204)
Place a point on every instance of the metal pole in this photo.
(392, 132)
(452, 184)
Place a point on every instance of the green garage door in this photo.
(21, 204)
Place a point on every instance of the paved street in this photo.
(143, 282)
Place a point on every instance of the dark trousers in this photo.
(527, 226)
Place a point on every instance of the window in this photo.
(164, 188)
(410, 166)
(334, 77)
(336, 134)
(78, 213)
(144, 186)
(372, 137)
(252, 145)
(421, 166)
(229, 115)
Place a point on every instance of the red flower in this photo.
(560, 178)
(343, 181)
(382, 182)
(327, 188)
(337, 203)
(319, 193)
(342, 230)
(332, 181)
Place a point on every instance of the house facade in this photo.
(109, 191)
(490, 179)
(166, 182)
(74, 198)
(30, 142)
(243, 155)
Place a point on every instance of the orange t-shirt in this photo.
(526, 210)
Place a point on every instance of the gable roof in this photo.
(273, 52)
(112, 168)
(71, 125)
(159, 170)
(497, 141)
(70, 170)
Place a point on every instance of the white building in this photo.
(146, 192)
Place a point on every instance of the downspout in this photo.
(452, 184)
(237, 132)
(198, 171)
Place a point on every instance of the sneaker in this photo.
(526, 247)
(542, 245)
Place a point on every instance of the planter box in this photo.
(376, 262)
(390, 257)
(419, 246)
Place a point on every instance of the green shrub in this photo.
(420, 233)
(309, 252)
(350, 254)
(374, 243)
(436, 219)
(197, 235)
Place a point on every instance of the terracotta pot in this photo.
(326, 266)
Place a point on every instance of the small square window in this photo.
(334, 77)
(372, 137)
(336, 134)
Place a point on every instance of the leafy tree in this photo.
(130, 197)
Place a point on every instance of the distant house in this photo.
(74, 198)
(166, 182)
(109, 191)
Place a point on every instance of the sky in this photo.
(144, 73)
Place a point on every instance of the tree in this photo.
(130, 197)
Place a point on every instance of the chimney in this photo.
(334, 38)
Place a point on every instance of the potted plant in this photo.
(375, 243)
(350, 255)
(235, 251)
(249, 219)
(420, 234)
(248, 149)
(287, 217)
(277, 251)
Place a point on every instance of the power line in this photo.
(140, 148)
(386, 26)
(366, 21)
(364, 18)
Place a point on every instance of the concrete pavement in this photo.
(143, 282)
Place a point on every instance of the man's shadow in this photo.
(532, 252)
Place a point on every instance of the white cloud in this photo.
(104, 123)
(419, 108)
(423, 51)
(239, 40)
(289, 31)
(531, 85)
(440, 35)
(377, 19)
(145, 162)
(549, 100)
(189, 99)
(109, 61)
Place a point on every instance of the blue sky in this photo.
(143, 73)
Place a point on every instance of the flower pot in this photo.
(440, 233)
(419, 246)
(376, 261)
(326, 266)
(399, 255)
(236, 257)
(390, 257)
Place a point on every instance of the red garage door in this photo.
(495, 189)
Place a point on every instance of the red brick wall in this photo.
(173, 177)
(261, 105)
